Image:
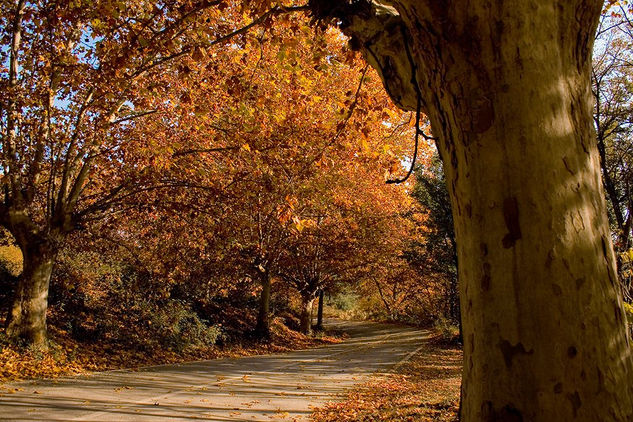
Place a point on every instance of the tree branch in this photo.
(133, 116)
(12, 112)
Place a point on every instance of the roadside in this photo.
(424, 388)
(68, 357)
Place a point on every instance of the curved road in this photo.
(257, 388)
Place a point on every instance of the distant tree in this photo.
(612, 89)
(435, 255)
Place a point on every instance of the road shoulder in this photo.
(423, 387)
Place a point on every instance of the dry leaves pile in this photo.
(424, 389)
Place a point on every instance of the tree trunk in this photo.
(262, 329)
(306, 314)
(544, 333)
(506, 86)
(455, 312)
(319, 324)
(27, 317)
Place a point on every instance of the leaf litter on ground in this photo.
(423, 389)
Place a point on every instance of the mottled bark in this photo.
(506, 88)
(319, 324)
(305, 324)
(27, 316)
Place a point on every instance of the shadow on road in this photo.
(271, 387)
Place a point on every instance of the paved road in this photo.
(259, 388)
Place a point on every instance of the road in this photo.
(258, 388)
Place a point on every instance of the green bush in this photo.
(178, 327)
(628, 310)
(102, 298)
(345, 301)
(148, 325)
(446, 328)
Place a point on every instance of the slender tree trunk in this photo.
(262, 329)
(27, 317)
(456, 315)
(306, 314)
(319, 324)
(507, 89)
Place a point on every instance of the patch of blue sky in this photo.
(85, 50)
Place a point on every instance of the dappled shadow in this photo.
(426, 388)
(252, 388)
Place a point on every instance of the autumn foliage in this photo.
(185, 177)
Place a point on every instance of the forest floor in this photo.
(424, 388)
(67, 356)
(286, 386)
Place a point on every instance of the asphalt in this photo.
(280, 387)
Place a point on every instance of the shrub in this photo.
(446, 328)
(96, 297)
(345, 301)
(178, 327)
(10, 261)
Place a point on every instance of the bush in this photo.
(446, 328)
(628, 310)
(96, 298)
(10, 269)
(344, 301)
(10, 261)
(147, 325)
(178, 327)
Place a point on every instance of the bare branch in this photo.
(133, 116)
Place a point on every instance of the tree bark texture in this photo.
(27, 317)
(506, 86)
(319, 324)
(305, 325)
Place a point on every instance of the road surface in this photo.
(282, 387)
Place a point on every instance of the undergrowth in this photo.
(67, 356)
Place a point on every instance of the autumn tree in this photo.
(279, 97)
(348, 221)
(506, 86)
(613, 107)
(280, 125)
(435, 253)
(250, 132)
(78, 75)
(72, 77)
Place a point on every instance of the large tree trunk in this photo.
(305, 323)
(506, 87)
(27, 317)
(262, 329)
(544, 333)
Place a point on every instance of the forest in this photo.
(186, 180)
